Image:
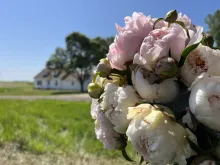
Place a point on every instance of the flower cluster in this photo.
(159, 89)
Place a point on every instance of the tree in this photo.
(213, 22)
(58, 60)
(100, 46)
(80, 56)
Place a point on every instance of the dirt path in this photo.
(73, 97)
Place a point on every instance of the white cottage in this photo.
(58, 79)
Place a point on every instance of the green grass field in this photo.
(27, 88)
(43, 126)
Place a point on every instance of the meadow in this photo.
(27, 88)
(43, 127)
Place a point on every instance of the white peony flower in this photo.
(115, 103)
(104, 130)
(163, 92)
(202, 59)
(156, 137)
(186, 20)
(94, 108)
(195, 35)
(204, 101)
(195, 32)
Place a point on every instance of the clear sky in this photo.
(31, 29)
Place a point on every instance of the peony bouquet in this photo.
(159, 89)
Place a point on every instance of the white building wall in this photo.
(86, 83)
(70, 83)
(65, 84)
(43, 83)
(54, 83)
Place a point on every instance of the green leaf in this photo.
(158, 81)
(180, 23)
(158, 20)
(141, 160)
(216, 48)
(212, 135)
(183, 26)
(195, 147)
(100, 100)
(180, 104)
(121, 142)
(125, 155)
(169, 53)
(186, 52)
(120, 72)
(169, 24)
(171, 16)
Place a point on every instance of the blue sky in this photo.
(31, 29)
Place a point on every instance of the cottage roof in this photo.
(48, 73)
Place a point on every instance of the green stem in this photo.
(124, 153)
(169, 25)
(94, 77)
(159, 19)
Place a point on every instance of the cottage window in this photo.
(72, 83)
(56, 83)
(39, 82)
(48, 82)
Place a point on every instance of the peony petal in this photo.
(204, 101)
(197, 36)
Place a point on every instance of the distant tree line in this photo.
(80, 55)
(213, 21)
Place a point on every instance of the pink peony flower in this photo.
(195, 32)
(158, 44)
(160, 24)
(186, 20)
(127, 42)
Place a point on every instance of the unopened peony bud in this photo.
(209, 40)
(94, 90)
(171, 16)
(104, 68)
(166, 68)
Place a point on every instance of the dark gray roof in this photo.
(46, 73)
